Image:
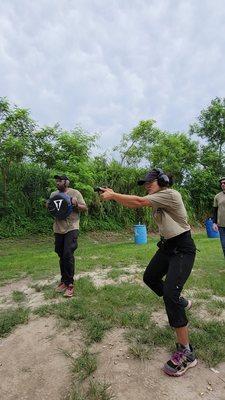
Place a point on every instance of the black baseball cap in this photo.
(61, 177)
(150, 177)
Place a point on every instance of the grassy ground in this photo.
(35, 257)
(128, 305)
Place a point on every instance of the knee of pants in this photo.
(149, 279)
(75, 246)
(151, 282)
(59, 252)
(67, 256)
(171, 296)
(176, 319)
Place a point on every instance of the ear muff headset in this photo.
(66, 183)
(163, 179)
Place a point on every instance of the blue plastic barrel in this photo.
(140, 234)
(209, 229)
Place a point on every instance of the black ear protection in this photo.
(66, 183)
(163, 179)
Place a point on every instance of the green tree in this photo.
(134, 146)
(148, 145)
(209, 158)
(211, 126)
(43, 146)
(202, 185)
(16, 131)
(72, 156)
(175, 153)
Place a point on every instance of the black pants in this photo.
(222, 238)
(174, 260)
(65, 245)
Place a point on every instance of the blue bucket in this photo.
(209, 229)
(140, 234)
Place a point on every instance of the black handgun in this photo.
(98, 189)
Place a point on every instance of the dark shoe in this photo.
(61, 288)
(187, 303)
(180, 361)
(69, 291)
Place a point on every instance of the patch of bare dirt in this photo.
(202, 311)
(100, 277)
(20, 285)
(132, 379)
(33, 298)
(160, 318)
(32, 364)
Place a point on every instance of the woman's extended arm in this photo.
(126, 200)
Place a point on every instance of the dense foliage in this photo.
(30, 156)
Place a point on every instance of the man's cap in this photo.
(61, 177)
(222, 179)
(150, 177)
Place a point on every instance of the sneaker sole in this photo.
(180, 373)
(189, 305)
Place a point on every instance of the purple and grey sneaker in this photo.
(180, 361)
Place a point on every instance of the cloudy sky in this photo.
(107, 64)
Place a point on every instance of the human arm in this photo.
(78, 206)
(130, 201)
(78, 202)
(215, 214)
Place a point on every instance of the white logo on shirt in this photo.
(58, 204)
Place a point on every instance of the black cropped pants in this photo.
(174, 261)
(65, 245)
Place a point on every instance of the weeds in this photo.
(11, 318)
(18, 296)
(95, 391)
(84, 365)
(216, 307)
(116, 273)
(99, 391)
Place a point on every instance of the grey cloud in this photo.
(107, 65)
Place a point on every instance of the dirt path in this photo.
(32, 366)
(140, 380)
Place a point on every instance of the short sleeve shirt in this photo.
(219, 201)
(169, 212)
(72, 221)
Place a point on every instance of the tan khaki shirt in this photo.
(73, 220)
(169, 212)
(219, 201)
